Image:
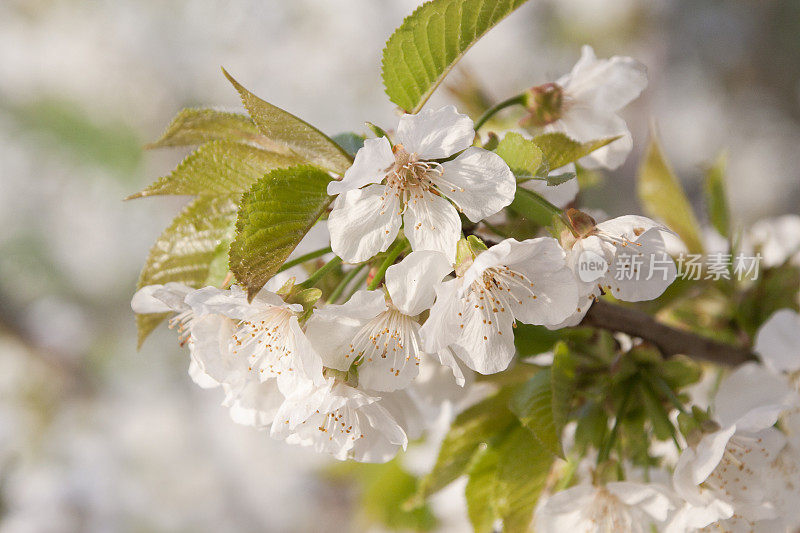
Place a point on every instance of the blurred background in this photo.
(95, 436)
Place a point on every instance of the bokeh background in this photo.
(95, 436)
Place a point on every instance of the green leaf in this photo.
(294, 135)
(532, 340)
(558, 179)
(533, 405)
(480, 490)
(560, 150)
(198, 126)
(533, 207)
(273, 217)
(505, 481)
(383, 489)
(186, 249)
(350, 142)
(218, 168)
(523, 156)
(522, 477)
(663, 197)
(656, 413)
(562, 384)
(469, 430)
(716, 200)
(430, 41)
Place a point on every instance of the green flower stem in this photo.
(394, 252)
(358, 283)
(337, 292)
(608, 445)
(321, 272)
(514, 100)
(661, 385)
(303, 258)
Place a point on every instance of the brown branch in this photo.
(669, 340)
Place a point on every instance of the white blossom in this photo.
(593, 92)
(267, 336)
(776, 239)
(619, 507)
(474, 314)
(379, 332)
(342, 421)
(632, 260)
(213, 363)
(405, 185)
(725, 476)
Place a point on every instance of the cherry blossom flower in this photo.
(379, 333)
(776, 239)
(474, 314)
(624, 256)
(342, 421)
(622, 506)
(405, 184)
(213, 363)
(584, 104)
(724, 476)
(267, 335)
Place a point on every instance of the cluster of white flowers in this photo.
(346, 378)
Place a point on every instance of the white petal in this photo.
(441, 327)
(306, 363)
(161, 298)
(484, 347)
(650, 498)
(709, 453)
(641, 271)
(256, 404)
(566, 510)
(555, 290)
(389, 352)
(629, 226)
(435, 134)
(747, 388)
(370, 166)
(584, 303)
(332, 328)
(211, 300)
(478, 181)
(363, 223)
(778, 341)
(211, 349)
(432, 223)
(448, 359)
(411, 283)
(585, 124)
(548, 293)
(382, 441)
(199, 376)
(144, 302)
(297, 408)
(606, 83)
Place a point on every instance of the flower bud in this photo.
(545, 105)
